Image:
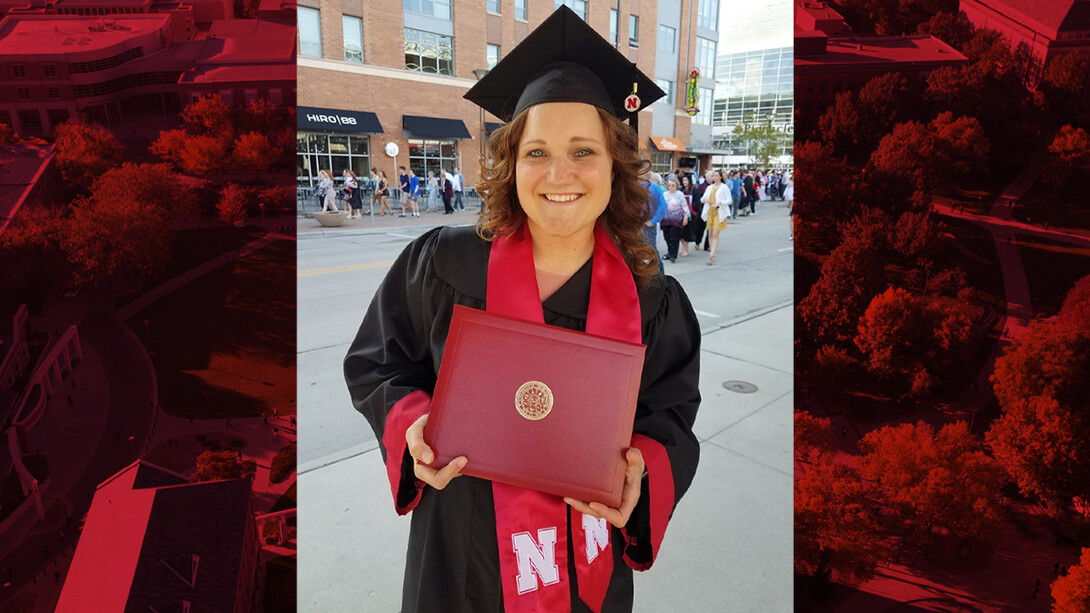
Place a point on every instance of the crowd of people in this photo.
(687, 209)
(692, 209)
(444, 188)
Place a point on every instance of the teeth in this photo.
(561, 197)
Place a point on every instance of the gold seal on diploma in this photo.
(534, 400)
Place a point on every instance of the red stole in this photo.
(528, 523)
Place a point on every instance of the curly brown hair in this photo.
(624, 216)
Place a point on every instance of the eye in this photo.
(584, 153)
(534, 153)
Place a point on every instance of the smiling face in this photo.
(564, 170)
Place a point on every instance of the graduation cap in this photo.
(564, 60)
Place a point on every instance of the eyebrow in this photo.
(575, 139)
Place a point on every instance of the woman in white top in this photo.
(433, 192)
(328, 191)
(716, 201)
(351, 189)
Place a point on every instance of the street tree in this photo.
(822, 185)
(203, 155)
(1069, 154)
(33, 263)
(169, 145)
(218, 465)
(1043, 446)
(896, 18)
(762, 140)
(253, 153)
(1063, 81)
(947, 27)
(209, 116)
(839, 124)
(1071, 592)
(231, 207)
(85, 151)
(1049, 359)
(813, 436)
(850, 277)
(933, 480)
(145, 186)
(837, 534)
(113, 243)
(881, 106)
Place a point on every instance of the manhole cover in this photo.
(741, 387)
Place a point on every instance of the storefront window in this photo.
(334, 152)
(425, 155)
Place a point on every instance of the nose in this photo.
(561, 170)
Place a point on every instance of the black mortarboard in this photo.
(563, 60)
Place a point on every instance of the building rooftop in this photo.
(152, 539)
(847, 51)
(245, 50)
(1052, 16)
(22, 35)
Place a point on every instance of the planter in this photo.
(331, 220)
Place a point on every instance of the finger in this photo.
(613, 516)
(450, 471)
(414, 438)
(582, 507)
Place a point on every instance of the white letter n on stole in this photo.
(534, 557)
(597, 532)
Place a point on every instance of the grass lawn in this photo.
(1064, 210)
(1052, 267)
(279, 594)
(224, 344)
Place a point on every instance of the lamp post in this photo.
(479, 74)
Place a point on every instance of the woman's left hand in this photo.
(633, 476)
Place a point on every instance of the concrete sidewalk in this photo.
(728, 547)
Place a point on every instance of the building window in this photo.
(24, 93)
(667, 38)
(661, 162)
(707, 15)
(107, 63)
(579, 6)
(520, 10)
(705, 58)
(493, 56)
(614, 17)
(668, 87)
(440, 9)
(353, 39)
(19, 70)
(428, 52)
(54, 92)
(492, 6)
(50, 70)
(310, 32)
(31, 120)
(633, 31)
(333, 152)
(57, 116)
(704, 117)
(425, 155)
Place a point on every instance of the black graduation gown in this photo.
(452, 563)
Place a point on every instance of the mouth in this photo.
(561, 198)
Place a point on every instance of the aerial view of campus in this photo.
(943, 306)
(147, 312)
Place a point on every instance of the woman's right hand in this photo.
(423, 455)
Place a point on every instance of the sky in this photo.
(749, 25)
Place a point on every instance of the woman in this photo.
(675, 220)
(382, 190)
(716, 211)
(563, 200)
(693, 231)
(355, 205)
(433, 192)
(328, 191)
(446, 190)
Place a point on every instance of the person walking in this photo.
(383, 191)
(432, 186)
(675, 220)
(352, 186)
(458, 181)
(403, 182)
(716, 211)
(657, 205)
(327, 192)
(693, 231)
(446, 187)
(414, 193)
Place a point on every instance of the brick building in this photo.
(830, 58)
(1037, 31)
(393, 72)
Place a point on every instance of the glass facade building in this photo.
(753, 86)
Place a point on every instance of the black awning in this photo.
(490, 127)
(434, 127)
(334, 120)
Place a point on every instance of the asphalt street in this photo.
(729, 545)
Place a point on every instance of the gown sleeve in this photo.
(389, 369)
(663, 429)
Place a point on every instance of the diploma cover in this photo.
(536, 406)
